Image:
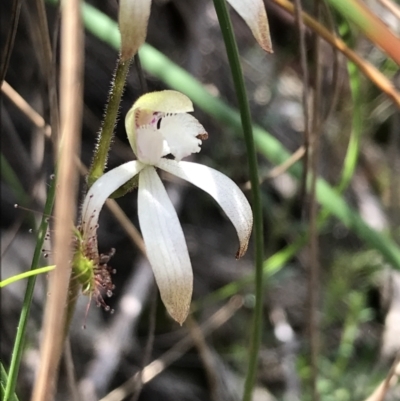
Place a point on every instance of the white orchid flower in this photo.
(158, 125)
(134, 15)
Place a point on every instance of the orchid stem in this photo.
(107, 130)
(237, 74)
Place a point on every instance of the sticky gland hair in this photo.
(45, 252)
(47, 236)
(93, 274)
(26, 209)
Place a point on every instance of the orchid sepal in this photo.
(226, 193)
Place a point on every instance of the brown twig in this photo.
(337, 77)
(71, 112)
(126, 224)
(9, 42)
(394, 165)
(392, 7)
(380, 392)
(25, 108)
(282, 168)
(49, 66)
(159, 365)
(37, 191)
(149, 343)
(372, 73)
(206, 356)
(70, 369)
(306, 111)
(313, 277)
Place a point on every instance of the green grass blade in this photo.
(350, 161)
(27, 274)
(244, 107)
(23, 320)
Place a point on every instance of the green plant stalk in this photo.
(353, 148)
(350, 161)
(107, 129)
(23, 320)
(8, 174)
(237, 75)
(27, 274)
(356, 304)
(177, 78)
(3, 383)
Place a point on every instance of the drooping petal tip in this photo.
(255, 16)
(165, 245)
(133, 18)
(178, 305)
(243, 247)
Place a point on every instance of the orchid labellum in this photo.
(158, 125)
(134, 16)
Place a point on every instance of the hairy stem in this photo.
(107, 130)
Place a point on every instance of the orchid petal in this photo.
(183, 134)
(165, 245)
(255, 16)
(100, 191)
(223, 190)
(133, 18)
(149, 145)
